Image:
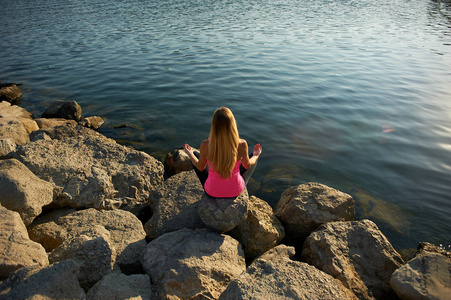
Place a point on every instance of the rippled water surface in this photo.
(353, 94)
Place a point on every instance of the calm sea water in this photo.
(355, 94)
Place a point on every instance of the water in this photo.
(353, 94)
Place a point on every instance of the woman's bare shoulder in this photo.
(242, 144)
(204, 144)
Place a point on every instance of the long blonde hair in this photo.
(224, 140)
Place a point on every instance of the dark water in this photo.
(353, 94)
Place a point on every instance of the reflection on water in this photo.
(352, 94)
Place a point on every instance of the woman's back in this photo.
(219, 187)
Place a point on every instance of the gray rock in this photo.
(426, 276)
(125, 230)
(285, 279)
(223, 214)
(260, 231)
(93, 251)
(187, 264)
(64, 109)
(57, 281)
(117, 286)
(304, 207)
(22, 191)
(90, 170)
(357, 254)
(175, 205)
(10, 92)
(13, 129)
(17, 249)
(7, 146)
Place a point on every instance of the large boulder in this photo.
(13, 129)
(10, 92)
(175, 205)
(64, 109)
(304, 207)
(93, 251)
(118, 286)
(223, 214)
(272, 277)
(356, 253)
(22, 191)
(260, 231)
(187, 264)
(17, 249)
(125, 231)
(57, 281)
(426, 276)
(89, 169)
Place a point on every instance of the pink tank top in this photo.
(219, 187)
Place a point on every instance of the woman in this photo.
(229, 164)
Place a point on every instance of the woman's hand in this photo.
(188, 150)
(257, 150)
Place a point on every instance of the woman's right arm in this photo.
(201, 162)
(245, 160)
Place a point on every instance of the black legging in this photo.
(203, 175)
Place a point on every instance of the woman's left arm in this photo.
(201, 162)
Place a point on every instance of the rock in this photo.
(126, 233)
(92, 122)
(13, 129)
(223, 214)
(177, 161)
(357, 254)
(285, 279)
(46, 231)
(176, 205)
(49, 123)
(57, 281)
(117, 286)
(304, 207)
(50, 235)
(30, 125)
(187, 264)
(17, 249)
(279, 252)
(64, 109)
(22, 191)
(89, 169)
(260, 231)
(93, 251)
(10, 92)
(7, 146)
(13, 111)
(39, 135)
(426, 276)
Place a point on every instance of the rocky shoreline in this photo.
(83, 217)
